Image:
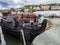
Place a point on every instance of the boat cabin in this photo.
(28, 18)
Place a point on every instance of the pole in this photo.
(23, 37)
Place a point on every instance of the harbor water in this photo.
(51, 36)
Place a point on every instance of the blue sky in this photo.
(20, 3)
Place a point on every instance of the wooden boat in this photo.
(27, 22)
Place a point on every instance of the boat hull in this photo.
(14, 33)
(29, 34)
